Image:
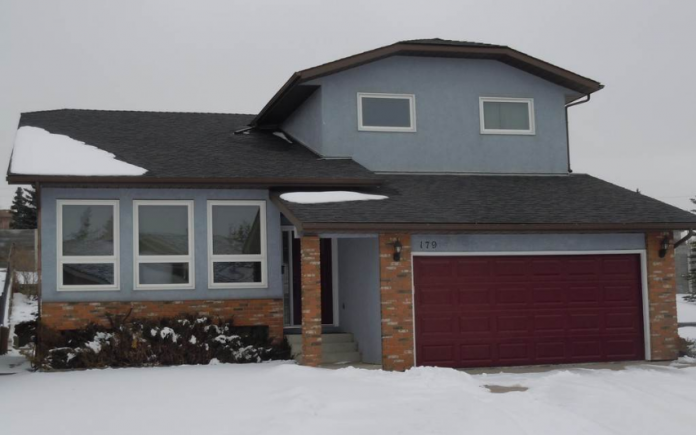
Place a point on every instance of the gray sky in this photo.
(232, 56)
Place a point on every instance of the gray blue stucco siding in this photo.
(126, 196)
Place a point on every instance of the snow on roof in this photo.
(331, 196)
(38, 152)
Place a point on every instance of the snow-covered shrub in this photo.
(146, 342)
(687, 347)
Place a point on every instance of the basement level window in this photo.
(507, 115)
(387, 112)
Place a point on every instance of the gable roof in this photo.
(491, 203)
(291, 95)
(192, 148)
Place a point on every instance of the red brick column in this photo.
(662, 298)
(396, 303)
(311, 301)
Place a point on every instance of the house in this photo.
(414, 202)
(5, 219)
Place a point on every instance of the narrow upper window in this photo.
(163, 245)
(87, 245)
(386, 112)
(237, 244)
(507, 115)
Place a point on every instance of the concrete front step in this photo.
(335, 348)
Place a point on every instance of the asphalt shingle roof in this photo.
(193, 145)
(501, 199)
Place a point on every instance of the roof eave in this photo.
(372, 227)
(268, 182)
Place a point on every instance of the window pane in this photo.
(248, 271)
(164, 273)
(88, 230)
(163, 229)
(501, 115)
(236, 230)
(88, 274)
(386, 112)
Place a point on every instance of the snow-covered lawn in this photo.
(275, 398)
(686, 311)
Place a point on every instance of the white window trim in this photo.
(530, 104)
(412, 105)
(80, 259)
(138, 259)
(260, 258)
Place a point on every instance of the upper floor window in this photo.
(386, 112)
(163, 244)
(88, 243)
(237, 244)
(507, 115)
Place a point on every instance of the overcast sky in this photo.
(232, 56)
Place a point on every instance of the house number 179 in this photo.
(428, 244)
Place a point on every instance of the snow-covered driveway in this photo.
(284, 398)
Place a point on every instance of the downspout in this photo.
(575, 103)
(683, 240)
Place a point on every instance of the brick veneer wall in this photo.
(396, 303)
(311, 301)
(244, 312)
(662, 299)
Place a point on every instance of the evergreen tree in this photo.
(24, 211)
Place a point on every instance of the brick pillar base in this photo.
(396, 303)
(662, 297)
(311, 301)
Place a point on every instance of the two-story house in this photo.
(410, 205)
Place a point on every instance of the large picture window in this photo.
(386, 112)
(163, 245)
(237, 244)
(87, 245)
(507, 115)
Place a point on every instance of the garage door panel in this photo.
(476, 353)
(510, 324)
(550, 323)
(488, 311)
(473, 269)
(438, 324)
(550, 295)
(550, 351)
(509, 294)
(514, 352)
(436, 295)
(510, 267)
(475, 325)
(474, 296)
(583, 294)
(623, 348)
(438, 354)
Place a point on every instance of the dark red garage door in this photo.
(517, 310)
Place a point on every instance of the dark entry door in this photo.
(517, 310)
(327, 296)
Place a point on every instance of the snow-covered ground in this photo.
(686, 311)
(274, 398)
(24, 308)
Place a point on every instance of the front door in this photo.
(292, 280)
